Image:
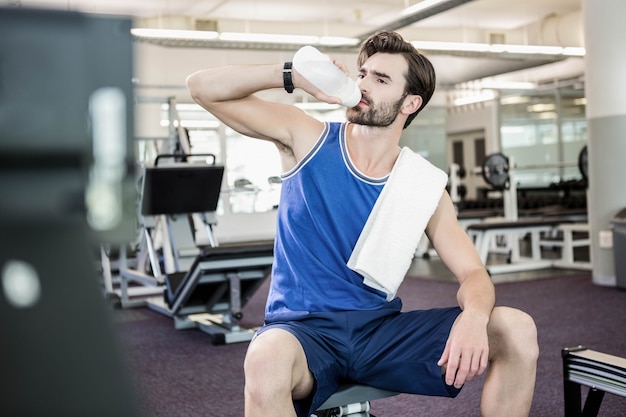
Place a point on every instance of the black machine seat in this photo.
(212, 293)
(205, 287)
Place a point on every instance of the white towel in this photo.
(390, 237)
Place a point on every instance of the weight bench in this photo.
(211, 295)
(352, 400)
(600, 372)
(484, 234)
(573, 235)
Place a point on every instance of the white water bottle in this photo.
(321, 72)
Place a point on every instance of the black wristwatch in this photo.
(287, 82)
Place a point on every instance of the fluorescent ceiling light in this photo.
(526, 49)
(451, 46)
(418, 7)
(573, 51)
(174, 34)
(498, 48)
(338, 41)
(199, 35)
(268, 38)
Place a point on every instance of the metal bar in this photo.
(550, 165)
(572, 397)
(593, 403)
(235, 300)
(416, 17)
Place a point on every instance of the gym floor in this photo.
(181, 373)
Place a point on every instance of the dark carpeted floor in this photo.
(180, 373)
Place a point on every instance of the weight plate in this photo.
(496, 171)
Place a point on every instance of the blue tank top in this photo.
(324, 204)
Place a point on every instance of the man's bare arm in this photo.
(229, 94)
(467, 350)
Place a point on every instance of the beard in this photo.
(377, 114)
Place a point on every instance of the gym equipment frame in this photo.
(177, 201)
(210, 296)
(204, 287)
(352, 400)
(498, 171)
(600, 372)
(483, 234)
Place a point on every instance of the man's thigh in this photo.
(323, 345)
(402, 353)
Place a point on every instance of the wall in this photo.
(475, 117)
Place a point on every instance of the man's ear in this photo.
(412, 103)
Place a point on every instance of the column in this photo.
(605, 88)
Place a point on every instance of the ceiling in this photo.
(542, 22)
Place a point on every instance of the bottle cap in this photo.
(306, 54)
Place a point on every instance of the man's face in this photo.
(382, 83)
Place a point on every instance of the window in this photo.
(544, 131)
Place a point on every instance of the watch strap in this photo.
(287, 81)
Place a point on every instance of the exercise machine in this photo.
(176, 213)
(201, 286)
(211, 294)
(486, 233)
(600, 372)
(503, 235)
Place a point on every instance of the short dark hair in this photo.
(420, 78)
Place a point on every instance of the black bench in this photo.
(484, 234)
(600, 372)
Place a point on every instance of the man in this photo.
(323, 324)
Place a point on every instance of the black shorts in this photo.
(386, 348)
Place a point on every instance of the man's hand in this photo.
(466, 354)
(305, 85)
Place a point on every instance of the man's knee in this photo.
(269, 355)
(513, 332)
(275, 364)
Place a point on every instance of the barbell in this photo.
(495, 170)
